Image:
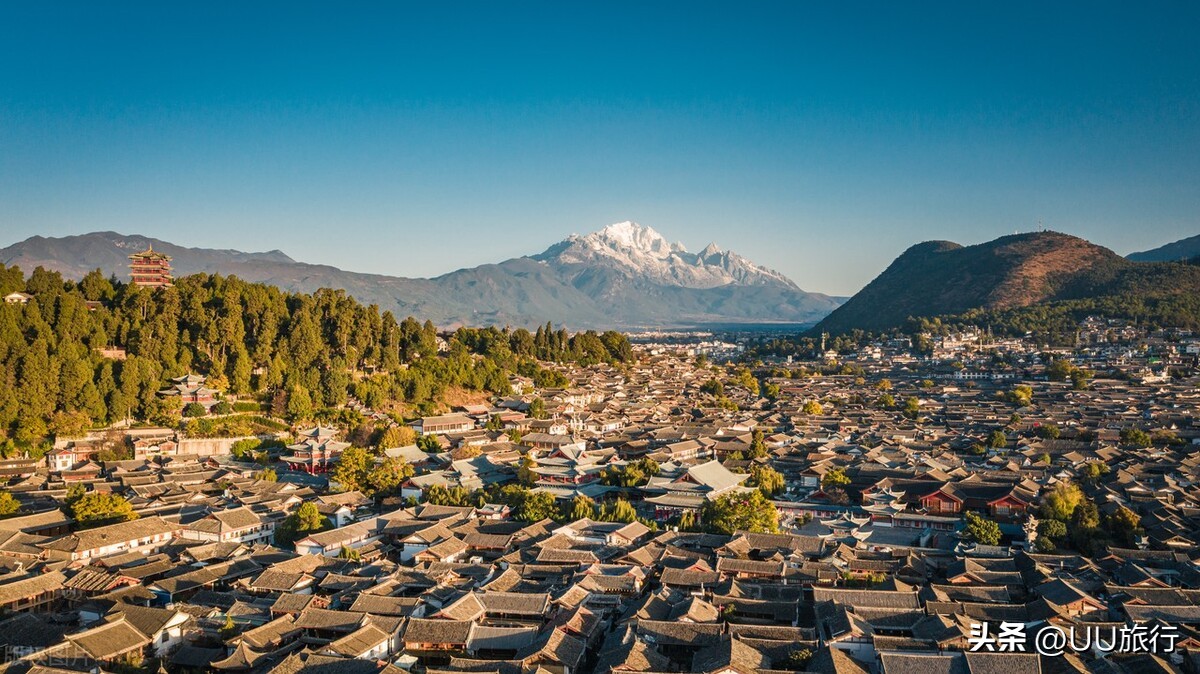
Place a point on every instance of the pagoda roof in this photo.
(149, 254)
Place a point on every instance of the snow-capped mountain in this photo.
(623, 276)
(645, 254)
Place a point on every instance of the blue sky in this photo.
(417, 139)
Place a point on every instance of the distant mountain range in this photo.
(941, 278)
(1183, 249)
(623, 276)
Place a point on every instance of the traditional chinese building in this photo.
(150, 269)
(316, 452)
(189, 389)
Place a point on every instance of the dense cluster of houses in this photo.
(870, 572)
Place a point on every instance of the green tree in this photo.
(71, 424)
(747, 381)
(618, 511)
(798, 659)
(306, 520)
(1086, 516)
(768, 480)
(397, 436)
(99, 508)
(1086, 535)
(526, 474)
(429, 443)
(982, 530)
(813, 408)
(1052, 529)
(582, 508)
(537, 409)
(688, 521)
(835, 478)
(1124, 525)
(1059, 370)
(740, 512)
(1135, 437)
(269, 475)
(352, 469)
(229, 628)
(1020, 395)
(192, 410)
(245, 448)
(74, 493)
(537, 506)
(1060, 502)
(299, 404)
(1048, 432)
(998, 439)
(758, 444)
(1093, 471)
(8, 505)
(388, 476)
(446, 496)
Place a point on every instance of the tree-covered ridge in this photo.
(1009, 273)
(1057, 322)
(1155, 303)
(298, 352)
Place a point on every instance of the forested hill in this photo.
(298, 353)
(941, 278)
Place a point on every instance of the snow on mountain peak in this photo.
(636, 238)
(642, 252)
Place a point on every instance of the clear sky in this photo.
(418, 139)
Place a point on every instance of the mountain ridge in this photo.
(645, 252)
(604, 290)
(943, 278)
(1183, 249)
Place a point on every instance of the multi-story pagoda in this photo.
(150, 269)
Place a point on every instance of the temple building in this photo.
(150, 269)
(191, 388)
(316, 452)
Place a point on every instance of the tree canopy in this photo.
(740, 512)
(94, 509)
(306, 520)
(309, 351)
(982, 530)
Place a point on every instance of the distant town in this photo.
(667, 502)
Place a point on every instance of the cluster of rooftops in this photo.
(872, 572)
(457, 589)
